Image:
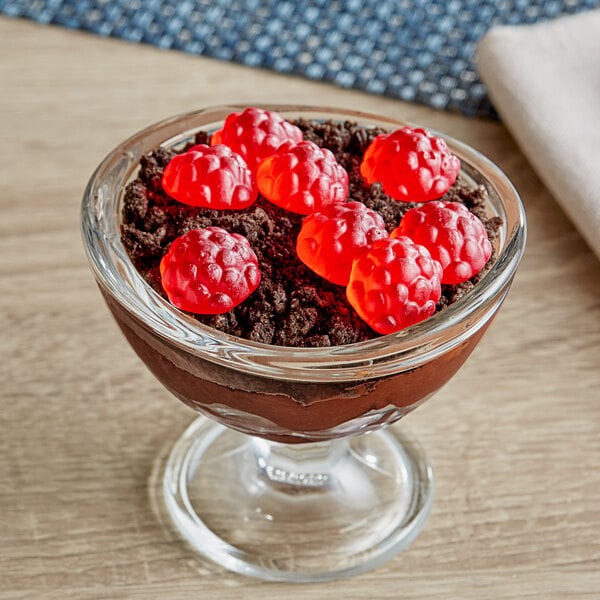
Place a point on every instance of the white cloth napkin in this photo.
(544, 80)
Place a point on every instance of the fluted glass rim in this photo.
(381, 356)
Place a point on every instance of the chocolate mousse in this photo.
(291, 307)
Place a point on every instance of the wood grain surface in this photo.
(514, 438)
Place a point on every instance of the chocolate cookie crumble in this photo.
(292, 306)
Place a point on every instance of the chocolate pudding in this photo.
(283, 410)
(293, 307)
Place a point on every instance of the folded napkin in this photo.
(544, 80)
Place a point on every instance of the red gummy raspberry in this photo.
(453, 235)
(331, 239)
(209, 271)
(210, 177)
(412, 165)
(302, 178)
(256, 134)
(394, 285)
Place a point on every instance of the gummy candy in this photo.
(453, 235)
(302, 178)
(256, 134)
(209, 271)
(412, 165)
(330, 240)
(394, 285)
(210, 177)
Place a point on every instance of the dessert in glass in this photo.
(293, 470)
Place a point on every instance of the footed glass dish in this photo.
(292, 471)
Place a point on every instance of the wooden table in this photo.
(514, 437)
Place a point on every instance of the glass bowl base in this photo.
(298, 513)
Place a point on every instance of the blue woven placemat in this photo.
(417, 50)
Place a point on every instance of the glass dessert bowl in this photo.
(295, 474)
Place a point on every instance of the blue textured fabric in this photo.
(417, 50)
